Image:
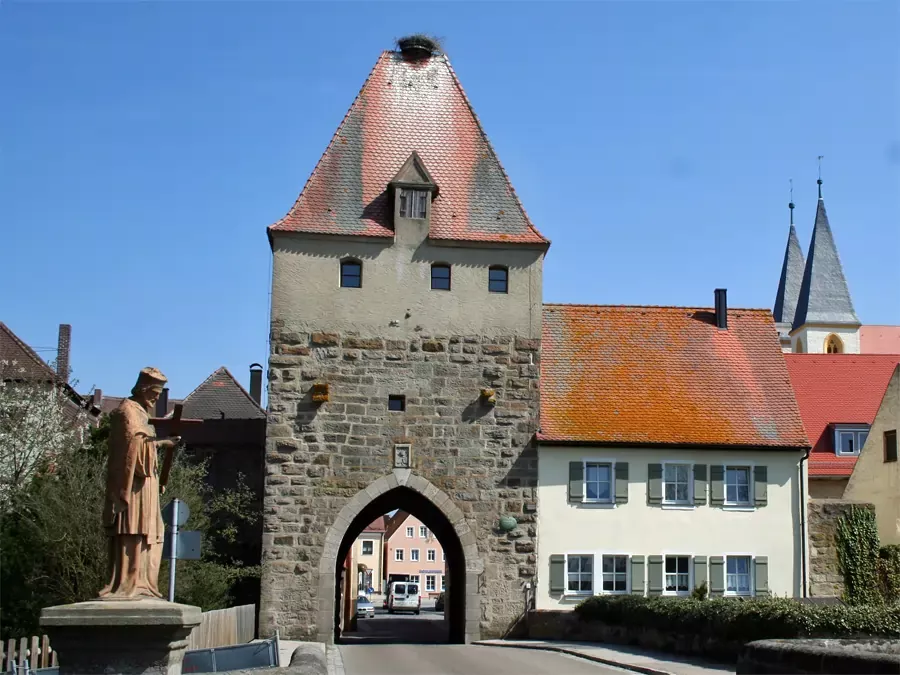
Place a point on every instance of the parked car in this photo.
(364, 608)
(403, 596)
(439, 603)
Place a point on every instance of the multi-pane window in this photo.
(414, 555)
(737, 484)
(737, 574)
(413, 203)
(498, 280)
(440, 277)
(849, 441)
(413, 578)
(677, 479)
(443, 584)
(351, 274)
(410, 532)
(430, 584)
(423, 531)
(398, 554)
(580, 575)
(444, 556)
(396, 403)
(597, 482)
(431, 556)
(368, 548)
(890, 445)
(678, 575)
(615, 573)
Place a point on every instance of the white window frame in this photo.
(410, 532)
(398, 555)
(751, 575)
(423, 532)
(689, 502)
(413, 198)
(443, 583)
(690, 584)
(363, 547)
(750, 487)
(431, 555)
(581, 554)
(612, 482)
(413, 555)
(855, 430)
(414, 579)
(613, 554)
(433, 578)
(443, 556)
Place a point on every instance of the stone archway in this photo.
(465, 566)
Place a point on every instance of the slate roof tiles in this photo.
(665, 375)
(221, 396)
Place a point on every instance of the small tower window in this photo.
(440, 277)
(498, 279)
(396, 403)
(413, 203)
(351, 274)
(833, 345)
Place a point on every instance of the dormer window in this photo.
(413, 203)
(849, 439)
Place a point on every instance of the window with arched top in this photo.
(833, 345)
(351, 273)
(799, 347)
(440, 277)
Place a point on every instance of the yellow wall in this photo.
(636, 528)
(373, 561)
(827, 488)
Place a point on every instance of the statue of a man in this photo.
(131, 515)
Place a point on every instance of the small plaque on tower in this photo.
(401, 455)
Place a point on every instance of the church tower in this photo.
(789, 285)
(825, 321)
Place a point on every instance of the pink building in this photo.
(413, 553)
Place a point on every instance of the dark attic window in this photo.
(440, 277)
(351, 274)
(396, 403)
(498, 279)
(413, 203)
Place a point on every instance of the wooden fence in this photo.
(223, 627)
(35, 651)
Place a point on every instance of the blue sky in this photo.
(146, 146)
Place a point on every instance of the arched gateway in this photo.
(404, 355)
(433, 507)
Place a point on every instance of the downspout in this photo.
(803, 515)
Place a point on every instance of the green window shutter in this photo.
(760, 485)
(655, 575)
(700, 573)
(761, 573)
(637, 574)
(576, 481)
(700, 484)
(654, 483)
(621, 482)
(717, 485)
(716, 576)
(557, 573)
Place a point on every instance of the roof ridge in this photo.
(231, 377)
(762, 310)
(241, 387)
(33, 355)
(490, 146)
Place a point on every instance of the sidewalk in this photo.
(630, 658)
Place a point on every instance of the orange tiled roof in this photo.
(407, 106)
(665, 375)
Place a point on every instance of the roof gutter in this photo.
(679, 446)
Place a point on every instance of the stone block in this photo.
(325, 339)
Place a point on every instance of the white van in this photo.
(403, 596)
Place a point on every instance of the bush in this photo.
(734, 619)
(888, 571)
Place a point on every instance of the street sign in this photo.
(183, 512)
(188, 545)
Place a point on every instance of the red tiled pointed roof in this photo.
(407, 106)
(837, 389)
(665, 375)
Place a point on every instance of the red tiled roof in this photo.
(879, 339)
(376, 525)
(407, 106)
(665, 375)
(20, 362)
(837, 389)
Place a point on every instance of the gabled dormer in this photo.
(412, 190)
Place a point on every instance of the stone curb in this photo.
(577, 654)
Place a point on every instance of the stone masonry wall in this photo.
(825, 578)
(319, 456)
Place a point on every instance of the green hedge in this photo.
(743, 620)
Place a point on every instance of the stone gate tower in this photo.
(405, 347)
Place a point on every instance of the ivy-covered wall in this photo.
(825, 576)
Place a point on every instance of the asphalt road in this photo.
(412, 659)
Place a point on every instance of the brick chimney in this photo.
(62, 351)
(256, 382)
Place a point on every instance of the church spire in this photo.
(791, 274)
(824, 296)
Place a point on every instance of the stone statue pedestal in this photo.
(120, 637)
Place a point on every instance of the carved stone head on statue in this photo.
(149, 386)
